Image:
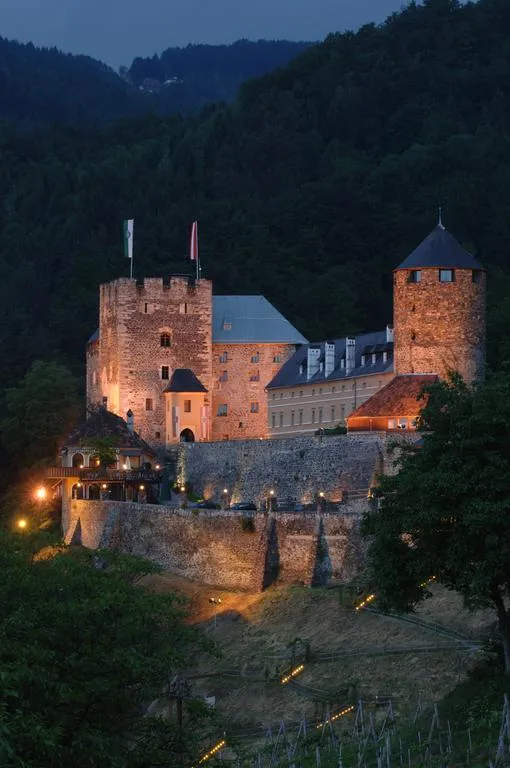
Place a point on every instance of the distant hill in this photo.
(188, 78)
(43, 86)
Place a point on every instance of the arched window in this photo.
(94, 492)
(77, 491)
(166, 339)
(78, 461)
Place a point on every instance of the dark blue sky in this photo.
(117, 30)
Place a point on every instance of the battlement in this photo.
(165, 289)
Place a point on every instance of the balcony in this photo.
(91, 474)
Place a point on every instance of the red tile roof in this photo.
(399, 398)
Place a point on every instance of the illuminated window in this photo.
(446, 276)
(148, 404)
(187, 406)
(165, 340)
(165, 372)
(222, 409)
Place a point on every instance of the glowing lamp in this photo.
(321, 494)
(22, 524)
(124, 466)
(78, 485)
(158, 466)
(81, 466)
(98, 462)
(183, 488)
(271, 493)
(41, 493)
(142, 487)
(104, 486)
(225, 490)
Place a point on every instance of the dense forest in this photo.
(43, 86)
(310, 188)
(185, 79)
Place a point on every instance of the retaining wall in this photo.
(218, 548)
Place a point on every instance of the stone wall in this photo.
(439, 326)
(296, 468)
(241, 372)
(222, 548)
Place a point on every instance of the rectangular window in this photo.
(165, 372)
(333, 413)
(158, 435)
(255, 376)
(183, 309)
(320, 415)
(187, 406)
(277, 359)
(165, 340)
(313, 415)
(224, 376)
(148, 404)
(255, 358)
(300, 417)
(342, 412)
(446, 276)
(292, 417)
(415, 276)
(224, 357)
(254, 408)
(227, 325)
(222, 409)
(281, 419)
(391, 423)
(273, 420)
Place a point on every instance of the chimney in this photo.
(350, 355)
(313, 358)
(389, 334)
(329, 358)
(130, 420)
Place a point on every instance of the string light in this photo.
(213, 751)
(294, 673)
(338, 715)
(366, 601)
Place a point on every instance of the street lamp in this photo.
(41, 493)
(22, 524)
(142, 487)
(104, 486)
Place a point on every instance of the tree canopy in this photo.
(446, 513)
(83, 653)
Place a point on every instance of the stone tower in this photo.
(439, 310)
(147, 330)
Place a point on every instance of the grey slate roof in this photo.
(289, 374)
(251, 319)
(440, 249)
(94, 337)
(184, 380)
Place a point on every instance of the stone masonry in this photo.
(439, 326)
(217, 548)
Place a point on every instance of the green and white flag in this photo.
(129, 226)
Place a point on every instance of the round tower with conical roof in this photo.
(439, 310)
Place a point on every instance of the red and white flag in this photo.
(193, 251)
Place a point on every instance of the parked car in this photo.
(206, 504)
(244, 506)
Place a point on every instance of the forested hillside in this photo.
(309, 189)
(42, 86)
(186, 79)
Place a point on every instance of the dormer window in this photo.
(415, 276)
(321, 366)
(227, 325)
(446, 276)
(374, 357)
(363, 359)
(301, 369)
(342, 363)
(385, 357)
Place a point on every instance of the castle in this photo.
(371, 382)
(182, 365)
